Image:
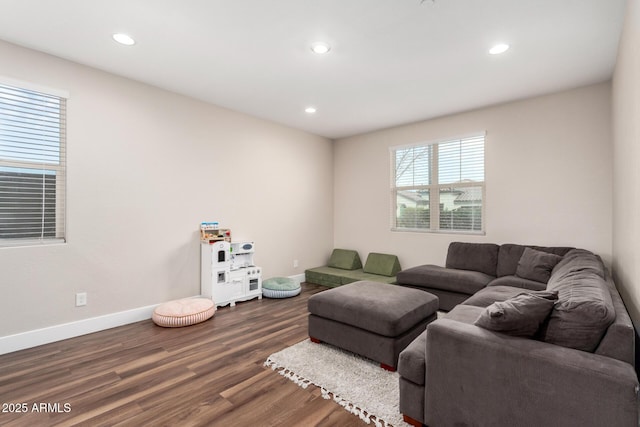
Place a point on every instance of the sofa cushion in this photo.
(327, 276)
(520, 316)
(464, 313)
(578, 260)
(584, 309)
(491, 294)
(350, 276)
(448, 279)
(509, 255)
(411, 363)
(482, 257)
(536, 265)
(518, 282)
(382, 264)
(345, 259)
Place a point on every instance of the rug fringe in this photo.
(290, 375)
(326, 394)
(359, 412)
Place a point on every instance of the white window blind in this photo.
(32, 166)
(439, 186)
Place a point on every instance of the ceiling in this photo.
(391, 61)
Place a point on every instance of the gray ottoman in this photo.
(372, 319)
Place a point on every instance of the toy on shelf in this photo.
(210, 232)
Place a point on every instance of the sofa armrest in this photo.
(478, 377)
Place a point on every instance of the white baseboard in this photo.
(298, 278)
(23, 340)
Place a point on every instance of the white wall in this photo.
(145, 167)
(548, 177)
(626, 149)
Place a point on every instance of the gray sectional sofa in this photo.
(476, 366)
(471, 267)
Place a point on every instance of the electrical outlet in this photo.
(295, 263)
(81, 299)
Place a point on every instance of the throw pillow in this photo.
(520, 316)
(536, 265)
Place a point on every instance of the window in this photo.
(32, 166)
(439, 186)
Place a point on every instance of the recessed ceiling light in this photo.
(124, 39)
(320, 48)
(498, 49)
(310, 110)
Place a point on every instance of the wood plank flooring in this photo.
(210, 374)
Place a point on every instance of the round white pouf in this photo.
(183, 312)
(280, 287)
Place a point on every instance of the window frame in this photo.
(60, 168)
(434, 187)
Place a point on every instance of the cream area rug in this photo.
(359, 385)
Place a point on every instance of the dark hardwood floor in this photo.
(210, 374)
